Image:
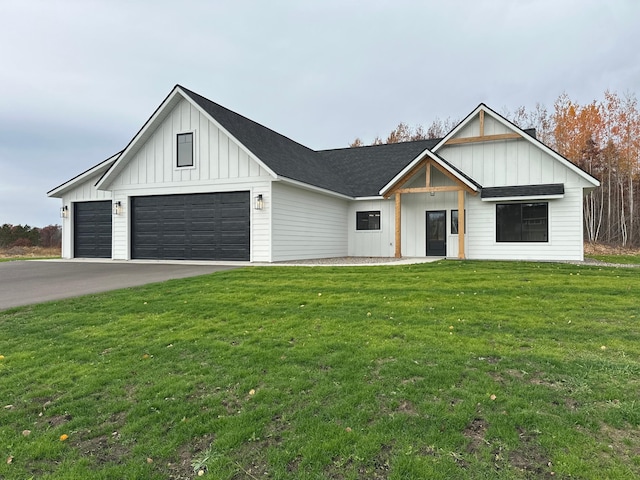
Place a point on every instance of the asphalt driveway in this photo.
(34, 281)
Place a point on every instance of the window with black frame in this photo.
(368, 220)
(522, 222)
(454, 222)
(185, 150)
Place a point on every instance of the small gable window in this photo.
(185, 150)
(368, 220)
(522, 222)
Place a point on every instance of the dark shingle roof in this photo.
(356, 172)
(366, 170)
(284, 156)
(523, 191)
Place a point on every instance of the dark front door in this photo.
(436, 233)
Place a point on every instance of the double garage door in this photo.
(204, 226)
(207, 226)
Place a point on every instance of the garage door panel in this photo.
(211, 226)
(203, 239)
(203, 227)
(92, 229)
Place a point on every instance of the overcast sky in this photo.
(78, 78)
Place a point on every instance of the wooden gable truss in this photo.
(399, 189)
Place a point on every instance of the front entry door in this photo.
(437, 233)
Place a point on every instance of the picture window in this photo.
(368, 220)
(522, 222)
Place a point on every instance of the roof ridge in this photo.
(391, 145)
(239, 115)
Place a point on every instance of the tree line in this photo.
(26, 236)
(601, 137)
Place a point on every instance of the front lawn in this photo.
(445, 370)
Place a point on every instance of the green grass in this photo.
(478, 370)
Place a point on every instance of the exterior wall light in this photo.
(259, 202)
(117, 208)
(64, 212)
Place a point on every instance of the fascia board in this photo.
(534, 141)
(457, 128)
(102, 183)
(226, 132)
(169, 102)
(523, 198)
(417, 160)
(313, 188)
(96, 169)
(376, 197)
(404, 171)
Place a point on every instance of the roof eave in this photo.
(308, 186)
(103, 182)
(499, 118)
(523, 198)
(103, 166)
(226, 132)
(417, 160)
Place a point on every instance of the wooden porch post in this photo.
(461, 254)
(398, 239)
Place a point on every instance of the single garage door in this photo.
(203, 226)
(92, 229)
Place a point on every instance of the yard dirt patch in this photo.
(475, 432)
(181, 468)
(530, 458)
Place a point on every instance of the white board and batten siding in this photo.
(220, 165)
(381, 243)
(372, 243)
(564, 224)
(506, 162)
(83, 192)
(218, 159)
(306, 224)
(512, 163)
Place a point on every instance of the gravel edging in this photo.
(356, 261)
(362, 261)
(598, 263)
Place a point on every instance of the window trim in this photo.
(369, 214)
(522, 205)
(194, 150)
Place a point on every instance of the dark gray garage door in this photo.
(204, 226)
(92, 229)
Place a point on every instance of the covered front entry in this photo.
(92, 229)
(417, 178)
(436, 233)
(203, 226)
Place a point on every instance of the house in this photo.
(199, 181)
